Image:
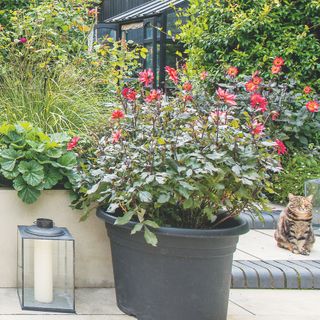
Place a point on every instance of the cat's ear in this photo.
(291, 196)
(310, 198)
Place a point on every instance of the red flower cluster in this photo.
(146, 77)
(251, 87)
(187, 98)
(226, 97)
(116, 136)
(73, 143)
(278, 62)
(280, 146)
(154, 95)
(129, 94)
(258, 102)
(203, 75)
(256, 80)
(187, 86)
(233, 71)
(257, 128)
(173, 74)
(117, 114)
(307, 90)
(312, 106)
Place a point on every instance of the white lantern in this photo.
(46, 267)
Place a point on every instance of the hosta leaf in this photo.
(68, 160)
(52, 177)
(188, 203)
(8, 158)
(29, 194)
(145, 196)
(54, 153)
(10, 174)
(32, 172)
(150, 237)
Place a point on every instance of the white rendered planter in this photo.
(93, 261)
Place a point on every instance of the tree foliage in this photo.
(250, 33)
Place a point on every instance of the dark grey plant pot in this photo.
(186, 277)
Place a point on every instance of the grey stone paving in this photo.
(99, 304)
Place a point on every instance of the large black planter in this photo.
(186, 277)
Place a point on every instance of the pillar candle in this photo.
(43, 276)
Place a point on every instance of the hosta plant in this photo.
(31, 161)
(187, 160)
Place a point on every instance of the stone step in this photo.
(276, 274)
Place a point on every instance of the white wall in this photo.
(93, 260)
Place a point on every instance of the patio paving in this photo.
(99, 304)
(259, 263)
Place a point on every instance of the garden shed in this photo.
(151, 24)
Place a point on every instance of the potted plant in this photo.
(173, 174)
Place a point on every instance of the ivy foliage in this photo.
(250, 33)
(33, 161)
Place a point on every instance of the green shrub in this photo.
(296, 170)
(250, 33)
(33, 161)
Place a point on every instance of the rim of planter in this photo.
(240, 226)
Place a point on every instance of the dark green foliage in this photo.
(32, 161)
(250, 33)
(296, 170)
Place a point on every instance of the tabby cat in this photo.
(294, 231)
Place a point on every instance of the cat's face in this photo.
(301, 206)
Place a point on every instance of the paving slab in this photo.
(261, 244)
(278, 303)
(243, 305)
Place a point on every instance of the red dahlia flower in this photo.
(258, 102)
(251, 87)
(226, 97)
(275, 69)
(116, 136)
(278, 62)
(187, 86)
(154, 95)
(257, 128)
(256, 80)
(146, 77)
(312, 106)
(117, 114)
(129, 94)
(280, 146)
(73, 143)
(187, 98)
(307, 90)
(173, 74)
(233, 71)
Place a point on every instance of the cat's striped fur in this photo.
(294, 231)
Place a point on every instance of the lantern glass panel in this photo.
(46, 273)
(312, 187)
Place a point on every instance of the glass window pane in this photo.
(148, 31)
(149, 59)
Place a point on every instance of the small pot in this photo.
(186, 277)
